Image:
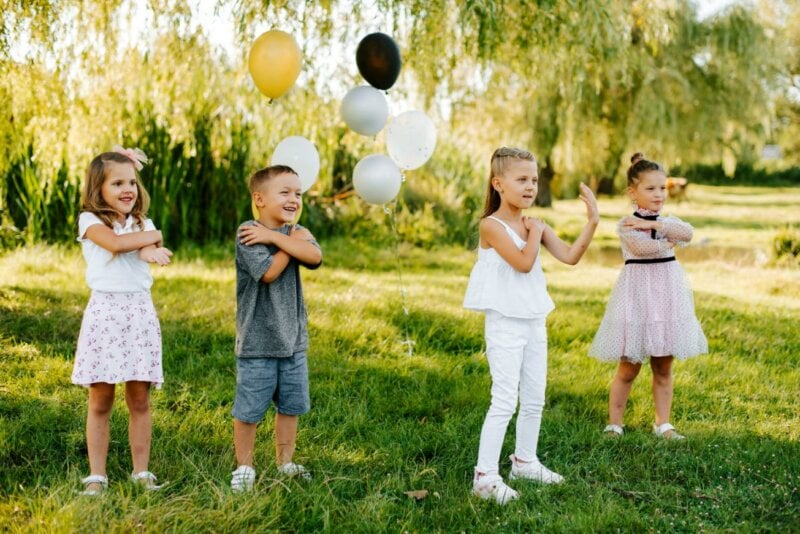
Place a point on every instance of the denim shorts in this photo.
(261, 381)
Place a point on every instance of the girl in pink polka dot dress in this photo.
(650, 312)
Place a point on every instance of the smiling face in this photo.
(120, 188)
(278, 199)
(518, 184)
(650, 191)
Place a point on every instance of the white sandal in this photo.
(94, 479)
(661, 431)
(613, 430)
(146, 480)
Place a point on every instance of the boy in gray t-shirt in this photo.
(271, 330)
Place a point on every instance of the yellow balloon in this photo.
(274, 62)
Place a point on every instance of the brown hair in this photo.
(92, 196)
(501, 158)
(639, 165)
(260, 176)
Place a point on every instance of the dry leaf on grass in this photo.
(417, 495)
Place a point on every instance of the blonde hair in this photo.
(501, 159)
(92, 195)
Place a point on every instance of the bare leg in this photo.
(101, 402)
(285, 437)
(662, 387)
(621, 390)
(244, 441)
(140, 425)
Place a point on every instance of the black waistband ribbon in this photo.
(652, 260)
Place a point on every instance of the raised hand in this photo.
(587, 196)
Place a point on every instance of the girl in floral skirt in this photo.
(120, 337)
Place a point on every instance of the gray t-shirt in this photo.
(270, 318)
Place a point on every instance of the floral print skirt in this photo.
(120, 340)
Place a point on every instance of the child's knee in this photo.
(138, 401)
(628, 374)
(662, 368)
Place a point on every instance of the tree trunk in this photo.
(545, 199)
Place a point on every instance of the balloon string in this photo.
(399, 263)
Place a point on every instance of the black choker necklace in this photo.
(647, 218)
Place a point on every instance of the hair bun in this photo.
(636, 158)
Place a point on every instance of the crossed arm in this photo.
(148, 243)
(296, 245)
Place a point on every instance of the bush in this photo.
(745, 174)
(786, 246)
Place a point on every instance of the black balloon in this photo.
(378, 60)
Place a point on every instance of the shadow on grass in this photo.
(48, 319)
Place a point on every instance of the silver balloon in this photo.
(365, 110)
(377, 179)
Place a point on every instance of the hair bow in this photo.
(138, 157)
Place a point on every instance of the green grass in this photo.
(383, 422)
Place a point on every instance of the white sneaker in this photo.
(533, 471)
(294, 470)
(492, 487)
(243, 479)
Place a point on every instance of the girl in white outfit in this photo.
(507, 284)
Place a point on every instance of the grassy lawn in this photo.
(384, 422)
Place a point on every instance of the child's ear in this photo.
(496, 183)
(258, 199)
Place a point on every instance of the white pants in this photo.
(517, 354)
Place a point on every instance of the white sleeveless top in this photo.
(496, 285)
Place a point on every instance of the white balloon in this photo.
(365, 110)
(411, 139)
(301, 155)
(377, 179)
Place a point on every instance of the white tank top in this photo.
(496, 285)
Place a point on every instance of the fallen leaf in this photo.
(417, 495)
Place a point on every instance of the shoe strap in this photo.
(614, 428)
(244, 470)
(95, 479)
(142, 475)
(663, 428)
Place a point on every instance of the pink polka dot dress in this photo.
(650, 312)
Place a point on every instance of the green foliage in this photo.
(383, 423)
(786, 246)
(581, 83)
(745, 174)
(42, 209)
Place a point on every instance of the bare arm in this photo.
(495, 236)
(280, 260)
(155, 254)
(105, 237)
(571, 254)
(297, 247)
(301, 249)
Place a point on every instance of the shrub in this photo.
(786, 246)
